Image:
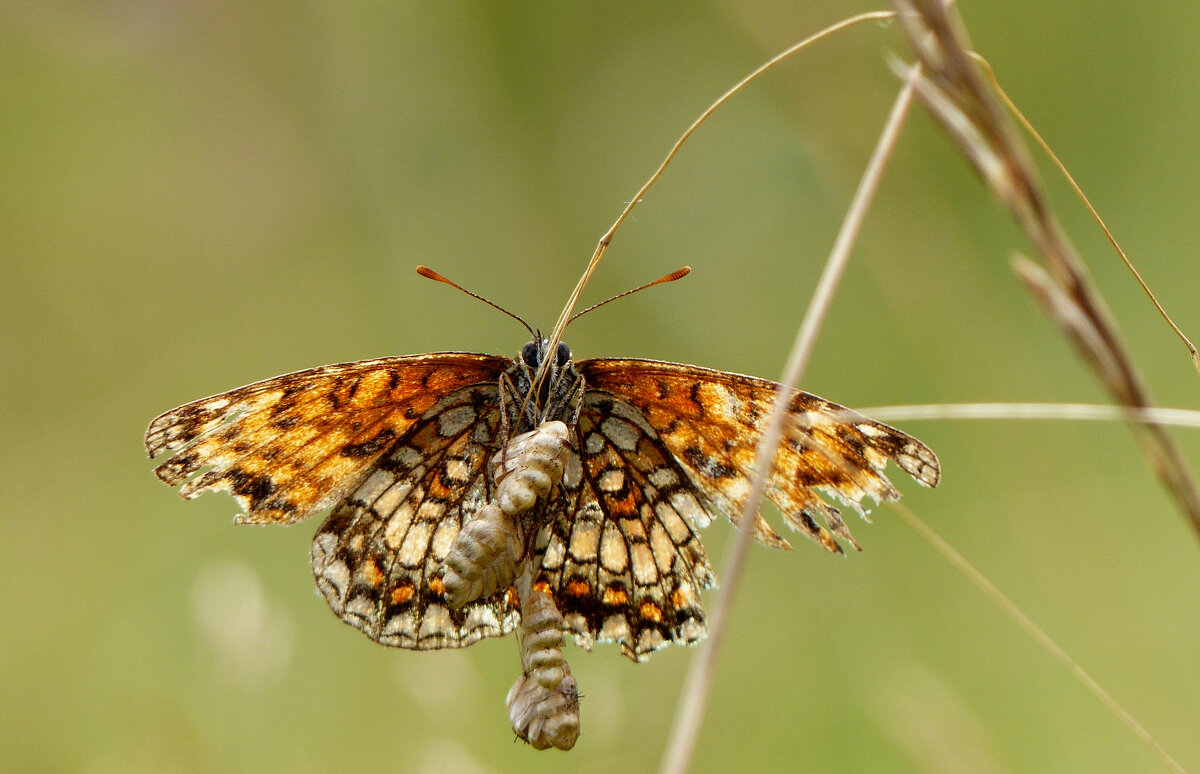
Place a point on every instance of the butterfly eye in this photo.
(563, 354)
(529, 354)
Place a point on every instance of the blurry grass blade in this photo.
(693, 700)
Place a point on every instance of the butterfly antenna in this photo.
(675, 275)
(543, 370)
(429, 273)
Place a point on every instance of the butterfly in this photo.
(398, 449)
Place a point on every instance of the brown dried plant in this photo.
(962, 101)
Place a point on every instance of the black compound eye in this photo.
(563, 354)
(529, 354)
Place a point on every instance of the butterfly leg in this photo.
(507, 392)
(516, 408)
(566, 399)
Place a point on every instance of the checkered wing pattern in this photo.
(400, 447)
(709, 422)
(289, 447)
(624, 561)
(399, 444)
(379, 559)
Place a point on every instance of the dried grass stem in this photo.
(960, 99)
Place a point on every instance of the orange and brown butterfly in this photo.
(399, 448)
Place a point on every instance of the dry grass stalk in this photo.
(1062, 168)
(606, 239)
(959, 98)
(1071, 412)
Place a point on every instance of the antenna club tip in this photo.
(678, 274)
(429, 273)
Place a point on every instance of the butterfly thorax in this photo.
(529, 400)
(540, 387)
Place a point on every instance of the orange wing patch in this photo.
(710, 421)
(288, 447)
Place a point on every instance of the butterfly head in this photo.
(544, 385)
(533, 354)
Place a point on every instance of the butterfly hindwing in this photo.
(379, 557)
(624, 559)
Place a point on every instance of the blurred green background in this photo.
(196, 195)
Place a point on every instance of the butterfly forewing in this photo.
(710, 421)
(289, 447)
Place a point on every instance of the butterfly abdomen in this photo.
(483, 557)
(543, 704)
